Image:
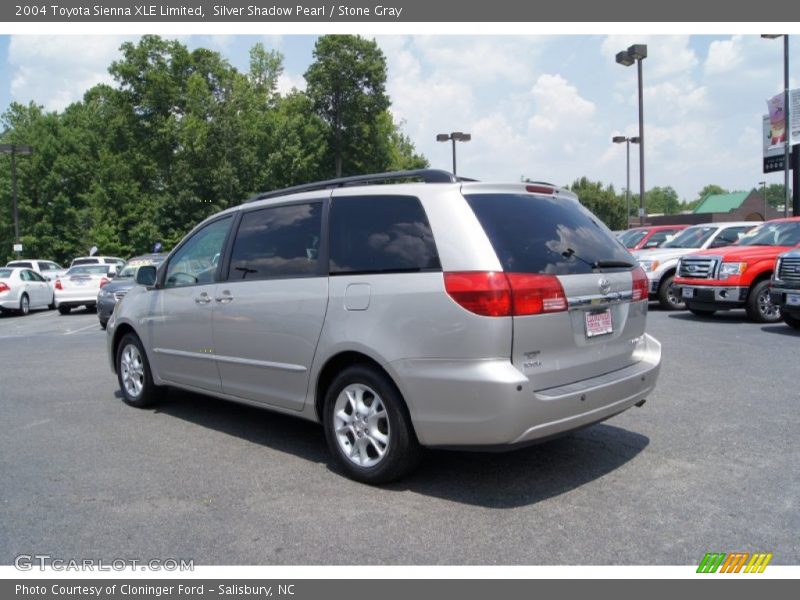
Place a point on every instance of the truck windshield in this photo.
(631, 237)
(691, 237)
(786, 233)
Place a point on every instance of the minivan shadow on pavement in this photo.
(487, 479)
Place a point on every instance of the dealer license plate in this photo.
(687, 292)
(793, 299)
(598, 323)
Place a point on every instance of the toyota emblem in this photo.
(604, 285)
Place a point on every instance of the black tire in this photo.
(791, 320)
(64, 310)
(24, 305)
(667, 297)
(133, 373)
(759, 306)
(700, 312)
(401, 454)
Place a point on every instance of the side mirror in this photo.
(146, 275)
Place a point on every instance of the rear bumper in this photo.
(718, 297)
(491, 404)
(76, 298)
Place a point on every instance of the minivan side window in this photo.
(279, 241)
(380, 234)
(195, 261)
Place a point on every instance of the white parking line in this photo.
(96, 325)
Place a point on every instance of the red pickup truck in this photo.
(738, 275)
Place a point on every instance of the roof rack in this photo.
(426, 175)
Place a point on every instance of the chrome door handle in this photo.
(202, 299)
(225, 298)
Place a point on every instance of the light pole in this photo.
(637, 53)
(787, 128)
(763, 185)
(456, 136)
(618, 139)
(13, 150)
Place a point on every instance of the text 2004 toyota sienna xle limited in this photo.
(445, 314)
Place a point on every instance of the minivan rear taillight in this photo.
(484, 293)
(640, 287)
(58, 285)
(496, 294)
(533, 294)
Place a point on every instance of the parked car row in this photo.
(723, 266)
(35, 284)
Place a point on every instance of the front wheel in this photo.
(759, 306)
(368, 428)
(133, 373)
(668, 297)
(791, 320)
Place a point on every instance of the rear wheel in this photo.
(367, 427)
(759, 305)
(791, 320)
(64, 310)
(668, 297)
(133, 373)
(700, 312)
(24, 305)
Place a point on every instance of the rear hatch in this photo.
(597, 328)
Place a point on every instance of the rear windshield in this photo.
(5, 273)
(532, 234)
(20, 263)
(85, 261)
(88, 270)
(786, 233)
(691, 237)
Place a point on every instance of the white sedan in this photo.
(79, 286)
(23, 289)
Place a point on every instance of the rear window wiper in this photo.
(598, 264)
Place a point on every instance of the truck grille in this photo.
(789, 271)
(697, 268)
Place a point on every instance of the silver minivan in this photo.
(430, 312)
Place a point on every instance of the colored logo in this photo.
(736, 562)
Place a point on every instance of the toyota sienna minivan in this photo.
(399, 310)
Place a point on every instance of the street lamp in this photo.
(787, 128)
(637, 53)
(456, 136)
(13, 150)
(763, 185)
(618, 139)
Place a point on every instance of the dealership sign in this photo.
(774, 129)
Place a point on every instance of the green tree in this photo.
(603, 201)
(662, 200)
(346, 84)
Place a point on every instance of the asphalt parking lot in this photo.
(710, 463)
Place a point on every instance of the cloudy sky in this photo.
(543, 107)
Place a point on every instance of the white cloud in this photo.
(57, 70)
(558, 105)
(724, 56)
(287, 82)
